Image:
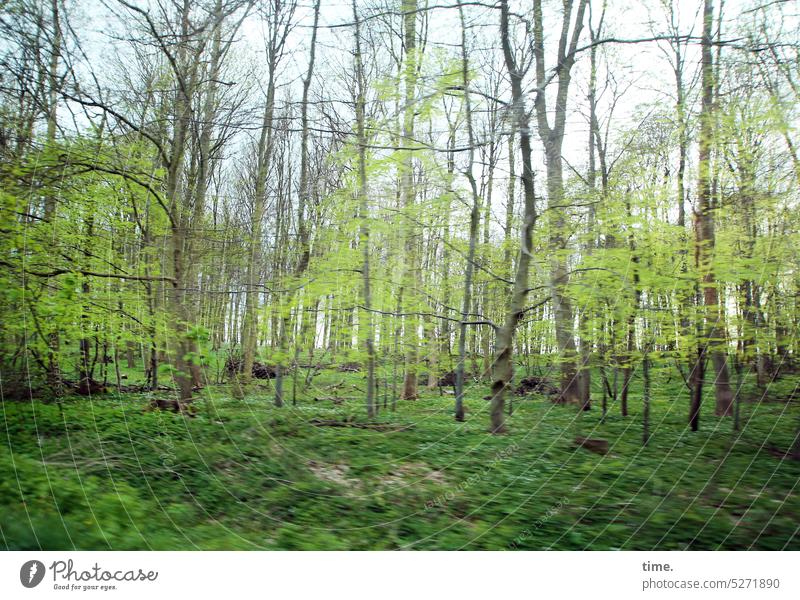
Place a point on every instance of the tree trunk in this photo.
(409, 8)
(473, 224)
(502, 365)
(552, 137)
(364, 229)
(714, 338)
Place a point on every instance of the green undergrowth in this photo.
(107, 472)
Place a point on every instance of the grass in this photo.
(106, 472)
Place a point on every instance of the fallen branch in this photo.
(592, 445)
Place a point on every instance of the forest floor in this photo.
(108, 472)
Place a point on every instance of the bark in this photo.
(595, 145)
(85, 373)
(713, 339)
(253, 269)
(646, 398)
(473, 223)
(179, 305)
(52, 94)
(631, 321)
(502, 365)
(53, 341)
(507, 231)
(487, 287)
(364, 229)
(409, 8)
(304, 195)
(552, 137)
(185, 209)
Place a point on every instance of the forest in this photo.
(399, 274)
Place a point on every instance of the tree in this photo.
(363, 234)
(502, 366)
(713, 339)
(473, 221)
(410, 276)
(552, 135)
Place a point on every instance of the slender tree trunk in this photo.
(52, 95)
(85, 377)
(473, 224)
(53, 340)
(645, 398)
(713, 339)
(409, 8)
(502, 366)
(552, 136)
(364, 229)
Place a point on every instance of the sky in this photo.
(641, 72)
